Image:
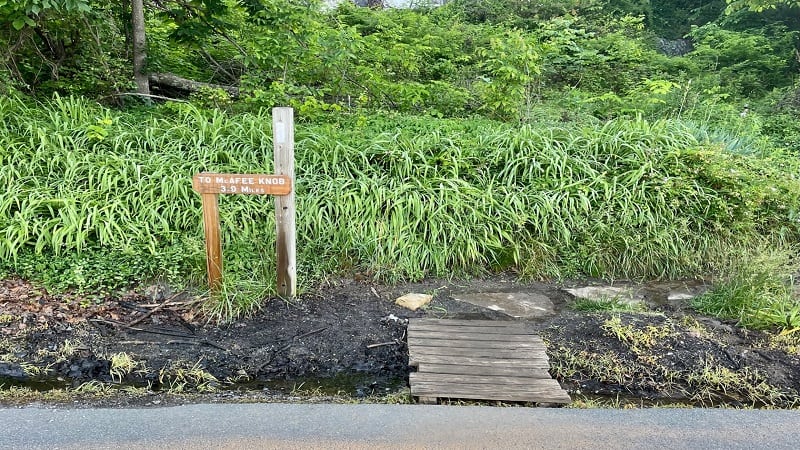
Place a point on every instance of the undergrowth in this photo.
(756, 289)
(95, 198)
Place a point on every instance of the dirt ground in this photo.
(346, 340)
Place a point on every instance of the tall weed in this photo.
(755, 287)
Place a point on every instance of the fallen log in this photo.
(173, 81)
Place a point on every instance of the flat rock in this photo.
(523, 305)
(413, 301)
(622, 294)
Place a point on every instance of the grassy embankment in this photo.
(94, 199)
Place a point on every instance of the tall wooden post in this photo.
(213, 241)
(283, 143)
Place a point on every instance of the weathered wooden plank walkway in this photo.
(479, 360)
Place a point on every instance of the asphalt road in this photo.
(249, 426)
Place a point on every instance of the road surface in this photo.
(319, 426)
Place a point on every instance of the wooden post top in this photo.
(231, 183)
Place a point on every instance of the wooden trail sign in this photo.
(226, 183)
(210, 185)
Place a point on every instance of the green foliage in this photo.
(70, 46)
(403, 60)
(397, 197)
(759, 5)
(674, 19)
(629, 163)
(612, 59)
(648, 96)
(755, 201)
(784, 131)
(211, 98)
(755, 288)
(516, 13)
(195, 20)
(282, 37)
(510, 63)
(746, 64)
(26, 13)
(608, 304)
(499, 58)
(100, 271)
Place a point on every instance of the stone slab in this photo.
(523, 305)
(413, 301)
(622, 294)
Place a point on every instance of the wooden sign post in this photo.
(283, 145)
(210, 185)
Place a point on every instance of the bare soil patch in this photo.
(353, 335)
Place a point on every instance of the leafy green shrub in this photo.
(516, 13)
(511, 65)
(70, 47)
(783, 130)
(100, 271)
(751, 196)
(744, 63)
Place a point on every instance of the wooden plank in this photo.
(473, 336)
(213, 241)
(481, 360)
(550, 398)
(414, 341)
(534, 385)
(241, 183)
(509, 353)
(461, 322)
(544, 393)
(511, 331)
(286, 240)
(456, 369)
(486, 392)
(538, 386)
(457, 379)
(531, 363)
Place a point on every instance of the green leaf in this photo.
(18, 23)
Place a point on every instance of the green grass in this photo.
(397, 197)
(606, 304)
(756, 290)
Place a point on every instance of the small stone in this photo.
(158, 292)
(680, 296)
(413, 301)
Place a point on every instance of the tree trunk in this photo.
(139, 47)
(125, 21)
(160, 80)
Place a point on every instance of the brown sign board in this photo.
(253, 184)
